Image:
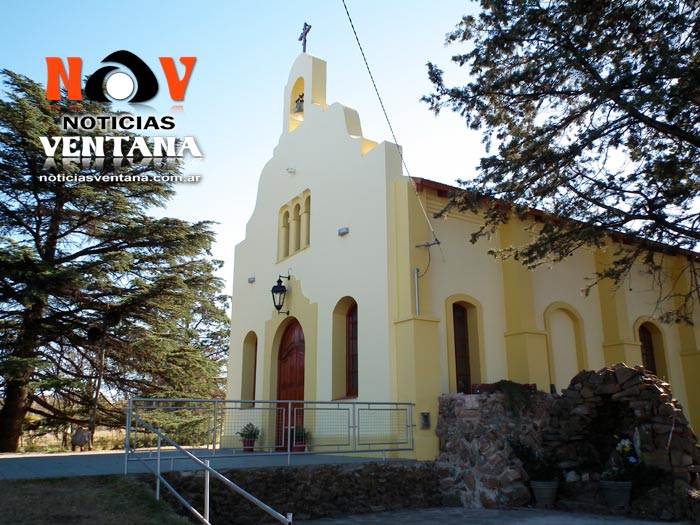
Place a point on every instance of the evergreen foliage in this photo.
(76, 255)
(590, 112)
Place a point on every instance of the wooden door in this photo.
(290, 381)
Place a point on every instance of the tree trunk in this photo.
(16, 401)
(12, 413)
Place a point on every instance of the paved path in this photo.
(459, 516)
(28, 466)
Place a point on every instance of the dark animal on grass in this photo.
(82, 439)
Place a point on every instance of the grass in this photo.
(107, 500)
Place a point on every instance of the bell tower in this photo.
(305, 92)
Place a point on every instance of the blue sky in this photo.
(244, 51)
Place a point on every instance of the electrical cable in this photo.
(396, 142)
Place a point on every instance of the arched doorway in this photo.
(290, 381)
(290, 363)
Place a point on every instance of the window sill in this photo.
(293, 254)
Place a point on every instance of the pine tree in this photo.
(84, 268)
(593, 110)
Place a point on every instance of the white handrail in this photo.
(205, 465)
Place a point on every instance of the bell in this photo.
(299, 107)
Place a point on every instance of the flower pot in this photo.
(248, 445)
(616, 493)
(545, 492)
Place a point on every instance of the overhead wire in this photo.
(396, 142)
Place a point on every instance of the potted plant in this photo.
(616, 482)
(249, 434)
(543, 474)
(300, 439)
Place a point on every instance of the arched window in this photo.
(461, 348)
(647, 349)
(345, 364)
(653, 351)
(351, 368)
(306, 223)
(464, 345)
(295, 230)
(283, 236)
(248, 366)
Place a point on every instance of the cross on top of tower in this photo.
(302, 36)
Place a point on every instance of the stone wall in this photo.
(599, 408)
(477, 465)
(313, 491)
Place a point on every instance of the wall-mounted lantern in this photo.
(279, 292)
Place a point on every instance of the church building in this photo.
(374, 311)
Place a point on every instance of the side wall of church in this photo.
(538, 326)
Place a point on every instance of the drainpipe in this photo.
(415, 282)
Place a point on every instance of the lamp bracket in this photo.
(428, 244)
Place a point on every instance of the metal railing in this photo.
(208, 472)
(193, 429)
(283, 427)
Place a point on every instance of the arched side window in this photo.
(283, 236)
(306, 223)
(653, 349)
(464, 344)
(351, 369)
(249, 366)
(647, 349)
(461, 348)
(294, 230)
(345, 355)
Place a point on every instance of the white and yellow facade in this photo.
(335, 213)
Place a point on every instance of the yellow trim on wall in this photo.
(526, 345)
(690, 363)
(619, 345)
(418, 376)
